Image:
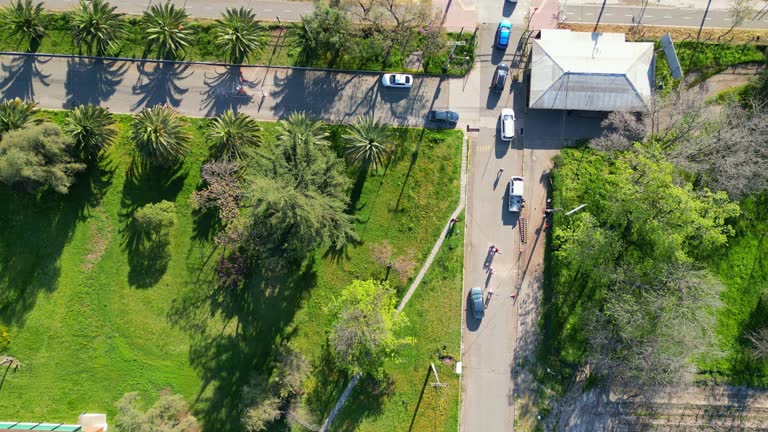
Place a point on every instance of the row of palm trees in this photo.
(98, 29)
(162, 137)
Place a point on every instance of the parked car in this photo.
(516, 194)
(499, 78)
(444, 117)
(503, 33)
(397, 80)
(476, 297)
(507, 124)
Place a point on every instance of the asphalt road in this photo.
(658, 16)
(202, 90)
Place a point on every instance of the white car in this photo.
(397, 80)
(516, 194)
(507, 124)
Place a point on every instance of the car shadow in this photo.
(497, 54)
(493, 98)
(472, 323)
(502, 147)
(509, 9)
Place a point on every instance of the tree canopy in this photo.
(169, 414)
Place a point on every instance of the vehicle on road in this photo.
(503, 33)
(516, 194)
(507, 124)
(448, 118)
(500, 78)
(397, 80)
(476, 298)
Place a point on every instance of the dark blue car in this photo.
(503, 34)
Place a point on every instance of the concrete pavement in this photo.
(658, 16)
(203, 90)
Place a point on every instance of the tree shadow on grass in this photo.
(34, 228)
(365, 401)
(235, 333)
(148, 257)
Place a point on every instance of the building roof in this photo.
(591, 72)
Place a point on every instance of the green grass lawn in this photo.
(89, 324)
(278, 51)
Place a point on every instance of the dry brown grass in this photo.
(647, 33)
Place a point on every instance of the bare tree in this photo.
(760, 340)
(405, 265)
(740, 11)
(621, 129)
(382, 253)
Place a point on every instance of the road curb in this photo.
(223, 64)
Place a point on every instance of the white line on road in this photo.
(726, 19)
(608, 14)
(628, 15)
(589, 13)
(685, 17)
(667, 16)
(648, 16)
(267, 10)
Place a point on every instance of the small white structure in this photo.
(591, 72)
(93, 422)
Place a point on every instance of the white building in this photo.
(591, 72)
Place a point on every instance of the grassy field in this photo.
(89, 323)
(278, 50)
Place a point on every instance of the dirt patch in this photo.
(99, 237)
(734, 76)
(652, 33)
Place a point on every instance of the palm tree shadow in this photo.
(91, 82)
(222, 92)
(20, 75)
(157, 84)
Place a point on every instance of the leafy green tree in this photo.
(15, 114)
(160, 135)
(262, 404)
(90, 126)
(231, 134)
(38, 156)
(323, 35)
(96, 25)
(156, 219)
(237, 34)
(166, 29)
(24, 20)
(297, 195)
(169, 414)
(5, 338)
(366, 319)
(368, 142)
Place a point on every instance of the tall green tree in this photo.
(38, 156)
(166, 30)
(297, 194)
(15, 114)
(366, 320)
(368, 142)
(90, 126)
(96, 25)
(238, 35)
(230, 135)
(23, 20)
(160, 135)
(322, 36)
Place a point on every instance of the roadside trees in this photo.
(96, 25)
(325, 34)
(230, 135)
(739, 11)
(90, 127)
(166, 30)
(23, 20)
(366, 320)
(15, 114)
(368, 142)
(237, 34)
(160, 135)
(38, 156)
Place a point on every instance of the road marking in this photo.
(648, 16)
(589, 13)
(267, 10)
(726, 19)
(628, 15)
(667, 16)
(685, 17)
(608, 14)
(286, 10)
(570, 13)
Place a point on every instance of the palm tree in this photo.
(95, 24)
(90, 127)
(368, 141)
(15, 114)
(160, 135)
(299, 127)
(230, 134)
(238, 34)
(166, 29)
(23, 20)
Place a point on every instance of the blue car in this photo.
(503, 33)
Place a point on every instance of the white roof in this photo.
(591, 72)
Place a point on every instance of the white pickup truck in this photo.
(516, 194)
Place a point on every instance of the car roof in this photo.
(502, 67)
(505, 23)
(507, 111)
